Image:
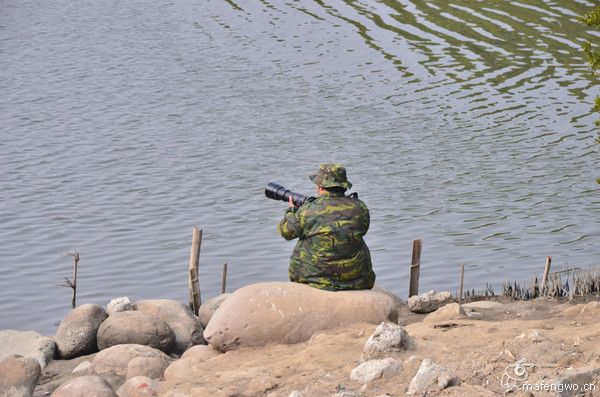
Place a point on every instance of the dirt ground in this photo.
(553, 339)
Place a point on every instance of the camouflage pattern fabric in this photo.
(331, 253)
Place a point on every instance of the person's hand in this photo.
(292, 203)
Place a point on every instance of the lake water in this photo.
(125, 123)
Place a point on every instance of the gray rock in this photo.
(387, 338)
(583, 378)
(430, 377)
(27, 344)
(139, 386)
(208, 308)
(429, 302)
(114, 360)
(150, 367)
(76, 335)
(179, 317)
(85, 386)
(286, 312)
(19, 376)
(119, 305)
(133, 327)
(375, 369)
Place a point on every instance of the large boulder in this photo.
(85, 386)
(19, 375)
(179, 317)
(27, 344)
(286, 312)
(115, 359)
(133, 327)
(76, 335)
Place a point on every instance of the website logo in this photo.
(515, 374)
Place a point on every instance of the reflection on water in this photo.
(466, 124)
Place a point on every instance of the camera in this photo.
(278, 192)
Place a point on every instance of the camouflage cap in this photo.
(331, 175)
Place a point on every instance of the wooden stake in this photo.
(194, 285)
(68, 283)
(224, 278)
(546, 272)
(415, 266)
(462, 277)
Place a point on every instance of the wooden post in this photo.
(224, 278)
(415, 266)
(546, 272)
(194, 286)
(462, 277)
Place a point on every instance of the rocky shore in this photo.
(290, 340)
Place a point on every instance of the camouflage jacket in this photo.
(331, 253)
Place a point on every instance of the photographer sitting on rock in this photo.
(331, 253)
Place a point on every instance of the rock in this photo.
(386, 339)
(27, 344)
(76, 335)
(429, 302)
(450, 312)
(286, 312)
(85, 386)
(181, 369)
(575, 384)
(375, 369)
(150, 367)
(119, 305)
(133, 327)
(179, 317)
(19, 376)
(430, 377)
(208, 308)
(85, 368)
(200, 352)
(139, 386)
(114, 360)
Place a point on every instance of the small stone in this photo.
(85, 368)
(375, 369)
(429, 376)
(429, 302)
(386, 338)
(449, 312)
(119, 305)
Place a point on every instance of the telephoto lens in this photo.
(278, 192)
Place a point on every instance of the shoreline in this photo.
(475, 344)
